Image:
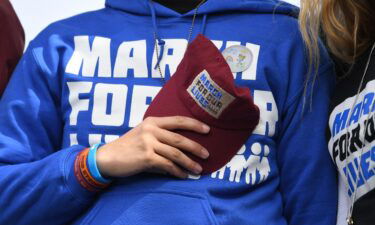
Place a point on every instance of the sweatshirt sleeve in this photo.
(308, 177)
(37, 180)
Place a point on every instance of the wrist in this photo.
(94, 160)
(103, 160)
(83, 175)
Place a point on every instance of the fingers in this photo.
(180, 122)
(168, 166)
(164, 151)
(181, 142)
(178, 157)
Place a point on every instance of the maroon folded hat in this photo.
(203, 88)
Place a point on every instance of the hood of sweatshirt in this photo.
(209, 7)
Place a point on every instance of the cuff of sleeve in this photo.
(72, 181)
(83, 174)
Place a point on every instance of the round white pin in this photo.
(238, 57)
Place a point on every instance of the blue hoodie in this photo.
(90, 78)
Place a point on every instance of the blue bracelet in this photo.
(93, 167)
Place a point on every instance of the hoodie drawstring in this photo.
(160, 41)
(204, 21)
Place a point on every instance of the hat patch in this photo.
(208, 95)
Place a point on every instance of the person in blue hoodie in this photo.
(88, 80)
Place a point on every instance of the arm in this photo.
(35, 176)
(308, 177)
(38, 180)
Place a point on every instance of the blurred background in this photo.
(36, 15)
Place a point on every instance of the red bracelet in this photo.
(81, 180)
(86, 173)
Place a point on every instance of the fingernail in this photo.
(205, 153)
(206, 128)
(197, 169)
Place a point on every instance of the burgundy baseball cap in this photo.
(203, 88)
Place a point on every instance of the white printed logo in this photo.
(253, 170)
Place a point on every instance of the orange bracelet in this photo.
(81, 180)
(86, 173)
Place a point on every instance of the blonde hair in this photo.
(348, 27)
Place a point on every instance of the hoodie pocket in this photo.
(152, 208)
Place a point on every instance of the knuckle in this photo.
(196, 147)
(192, 164)
(147, 127)
(198, 125)
(176, 154)
(169, 166)
(148, 119)
(179, 119)
(144, 139)
(178, 139)
(150, 162)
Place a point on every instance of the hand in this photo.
(152, 146)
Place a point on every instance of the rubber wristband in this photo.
(81, 180)
(93, 167)
(86, 173)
